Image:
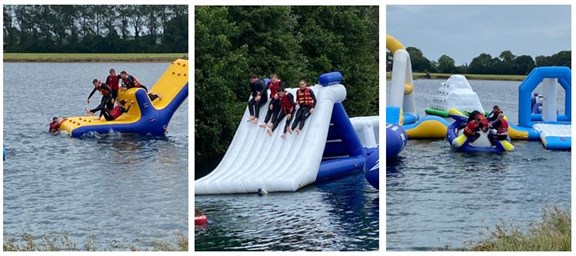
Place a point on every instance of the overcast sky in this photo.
(463, 32)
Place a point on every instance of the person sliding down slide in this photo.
(259, 92)
(306, 102)
(286, 109)
(117, 111)
(274, 106)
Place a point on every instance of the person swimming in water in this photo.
(55, 124)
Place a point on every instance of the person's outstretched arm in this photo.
(92, 93)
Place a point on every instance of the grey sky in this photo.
(463, 32)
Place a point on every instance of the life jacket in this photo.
(286, 104)
(470, 128)
(273, 88)
(135, 82)
(112, 81)
(116, 112)
(103, 90)
(54, 126)
(304, 97)
(502, 129)
(484, 121)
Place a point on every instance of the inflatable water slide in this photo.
(326, 147)
(144, 117)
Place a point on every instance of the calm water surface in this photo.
(436, 197)
(123, 188)
(338, 215)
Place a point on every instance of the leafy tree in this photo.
(419, 62)
(522, 65)
(446, 65)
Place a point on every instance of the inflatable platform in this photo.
(459, 141)
(145, 117)
(326, 147)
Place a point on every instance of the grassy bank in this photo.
(93, 57)
(550, 233)
(418, 75)
(27, 242)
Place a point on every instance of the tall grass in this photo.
(550, 233)
(28, 242)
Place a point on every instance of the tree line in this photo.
(95, 28)
(505, 64)
(293, 41)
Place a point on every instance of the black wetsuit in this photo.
(131, 83)
(495, 136)
(272, 114)
(253, 105)
(106, 101)
(303, 112)
(283, 113)
(493, 116)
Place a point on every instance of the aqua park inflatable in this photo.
(330, 145)
(462, 143)
(144, 117)
(372, 169)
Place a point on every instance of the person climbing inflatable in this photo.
(473, 137)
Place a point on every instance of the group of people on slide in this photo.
(495, 121)
(282, 104)
(109, 92)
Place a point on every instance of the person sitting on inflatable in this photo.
(471, 129)
(286, 109)
(501, 126)
(55, 124)
(306, 103)
(496, 111)
(258, 90)
(118, 110)
(274, 106)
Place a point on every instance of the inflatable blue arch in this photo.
(563, 74)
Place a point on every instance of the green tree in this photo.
(446, 65)
(522, 65)
(482, 64)
(419, 62)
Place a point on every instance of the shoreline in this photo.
(91, 57)
(486, 77)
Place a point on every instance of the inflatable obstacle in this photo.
(326, 147)
(460, 142)
(144, 117)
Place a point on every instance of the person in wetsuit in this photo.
(259, 93)
(306, 102)
(118, 110)
(113, 81)
(472, 128)
(129, 81)
(286, 108)
(274, 106)
(105, 102)
(496, 111)
(55, 124)
(501, 126)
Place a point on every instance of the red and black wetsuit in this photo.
(106, 101)
(55, 126)
(113, 81)
(471, 130)
(257, 88)
(501, 127)
(132, 82)
(275, 103)
(493, 116)
(306, 100)
(115, 112)
(287, 106)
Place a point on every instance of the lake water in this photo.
(123, 189)
(337, 215)
(436, 197)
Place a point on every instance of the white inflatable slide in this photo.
(255, 160)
